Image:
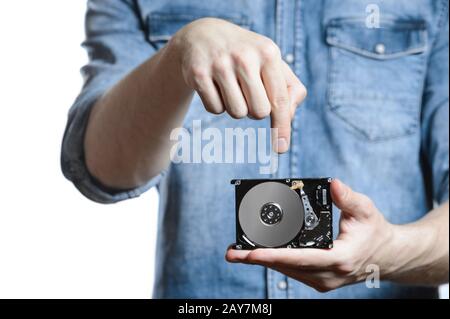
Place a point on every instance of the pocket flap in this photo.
(393, 39)
(161, 26)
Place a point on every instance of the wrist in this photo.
(170, 64)
(394, 255)
(410, 248)
(174, 53)
(387, 260)
(174, 48)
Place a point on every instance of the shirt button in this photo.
(289, 58)
(282, 285)
(380, 48)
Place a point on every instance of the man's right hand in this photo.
(232, 69)
(240, 72)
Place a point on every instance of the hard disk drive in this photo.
(293, 213)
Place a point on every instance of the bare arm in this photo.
(126, 139)
(422, 250)
(232, 69)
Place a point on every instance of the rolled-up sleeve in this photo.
(435, 114)
(116, 44)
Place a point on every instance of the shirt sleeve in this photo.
(115, 44)
(435, 114)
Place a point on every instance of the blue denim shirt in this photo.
(377, 117)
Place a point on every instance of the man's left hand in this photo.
(364, 239)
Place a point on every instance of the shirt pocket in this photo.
(376, 76)
(161, 26)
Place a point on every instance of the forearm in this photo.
(127, 137)
(420, 250)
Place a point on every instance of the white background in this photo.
(54, 243)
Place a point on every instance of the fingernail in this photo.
(282, 145)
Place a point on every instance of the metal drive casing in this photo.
(293, 213)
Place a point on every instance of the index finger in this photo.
(277, 92)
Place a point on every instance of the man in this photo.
(376, 117)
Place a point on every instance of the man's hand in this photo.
(365, 238)
(232, 69)
(240, 72)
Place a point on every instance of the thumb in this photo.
(350, 202)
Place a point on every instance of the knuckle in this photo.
(214, 109)
(344, 268)
(255, 256)
(341, 261)
(199, 71)
(299, 94)
(260, 113)
(280, 102)
(269, 50)
(242, 58)
(199, 75)
(246, 63)
(300, 263)
(303, 92)
(221, 65)
(238, 113)
(367, 203)
(282, 130)
(345, 197)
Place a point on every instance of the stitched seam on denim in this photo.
(242, 21)
(443, 14)
(290, 291)
(331, 39)
(421, 75)
(279, 24)
(385, 22)
(183, 17)
(270, 283)
(332, 76)
(442, 192)
(375, 56)
(295, 145)
(295, 134)
(442, 17)
(279, 41)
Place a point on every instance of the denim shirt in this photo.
(376, 116)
